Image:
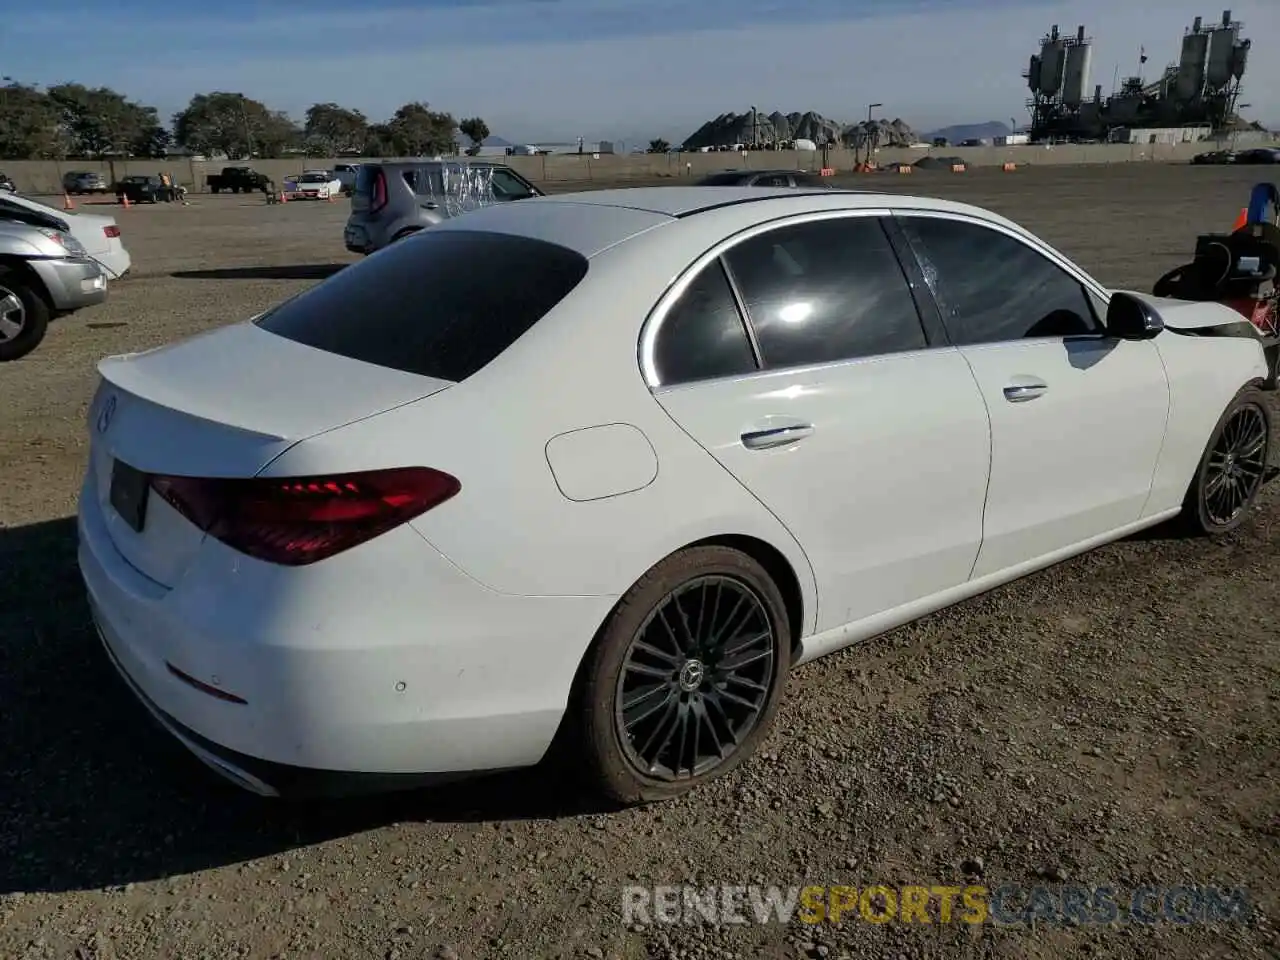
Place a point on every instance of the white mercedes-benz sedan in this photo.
(597, 470)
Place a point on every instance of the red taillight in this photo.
(112, 231)
(379, 192)
(299, 520)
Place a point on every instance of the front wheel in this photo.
(685, 677)
(24, 317)
(1232, 468)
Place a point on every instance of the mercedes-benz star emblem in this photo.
(106, 414)
(691, 675)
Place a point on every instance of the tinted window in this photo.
(506, 186)
(438, 304)
(993, 288)
(809, 180)
(703, 336)
(773, 180)
(728, 179)
(823, 291)
(366, 174)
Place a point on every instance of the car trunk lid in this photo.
(224, 404)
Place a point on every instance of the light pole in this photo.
(872, 133)
(1235, 123)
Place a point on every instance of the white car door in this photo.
(797, 357)
(1077, 417)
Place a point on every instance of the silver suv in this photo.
(394, 199)
(44, 273)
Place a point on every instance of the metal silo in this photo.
(1222, 48)
(1033, 74)
(1240, 58)
(1191, 65)
(1053, 63)
(1075, 80)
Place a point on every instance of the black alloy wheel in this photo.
(696, 678)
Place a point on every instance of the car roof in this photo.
(592, 221)
(680, 202)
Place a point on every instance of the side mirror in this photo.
(1129, 318)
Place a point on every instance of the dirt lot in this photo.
(1113, 721)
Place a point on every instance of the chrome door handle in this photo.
(1022, 392)
(776, 436)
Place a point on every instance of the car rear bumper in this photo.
(411, 673)
(72, 284)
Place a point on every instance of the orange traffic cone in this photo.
(124, 199)
(66, 201)
(1242, 221)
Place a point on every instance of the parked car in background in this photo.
(1259, 155)
(237, 180)
(395, 199)
(1215, 157)
(346, 174)
(765, 178)
(45, 273)
(602, 445)
(99, 235)
(143, 188)
(7, 185)
(80, 182)
(314, 185)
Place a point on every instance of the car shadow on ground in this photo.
(296, 271)
(93, 793)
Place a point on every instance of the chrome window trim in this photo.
(653, 322)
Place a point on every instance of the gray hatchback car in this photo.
(394, 199)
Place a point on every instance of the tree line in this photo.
(72, 120)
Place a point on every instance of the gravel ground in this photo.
(1112, 721)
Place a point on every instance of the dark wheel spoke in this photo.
(744, 659)
(647, 671)
(744, 682)
(640, 706)
(664, 655)
(696, 678)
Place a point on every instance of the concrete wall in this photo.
(44, 177)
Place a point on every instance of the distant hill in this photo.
(495, 141)
(732, 128)
(960, 132)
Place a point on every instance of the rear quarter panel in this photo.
(1205, 373)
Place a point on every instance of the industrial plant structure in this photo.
(1198, 93)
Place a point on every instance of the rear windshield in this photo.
(439, 304)
(365, 176)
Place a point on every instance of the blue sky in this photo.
(601, 69)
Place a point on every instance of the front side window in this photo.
(826, 291)
(994, 288)
(702, 336)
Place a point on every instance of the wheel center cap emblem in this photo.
(691, 675)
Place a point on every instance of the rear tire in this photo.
(24, 316)
(1232, 468)
(684, 679)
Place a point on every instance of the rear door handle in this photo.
(776, 436)
(1022, 392)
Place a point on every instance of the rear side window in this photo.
(826, 291)
(703, 336)
(440, 304)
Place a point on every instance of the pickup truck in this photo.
(237, 180)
